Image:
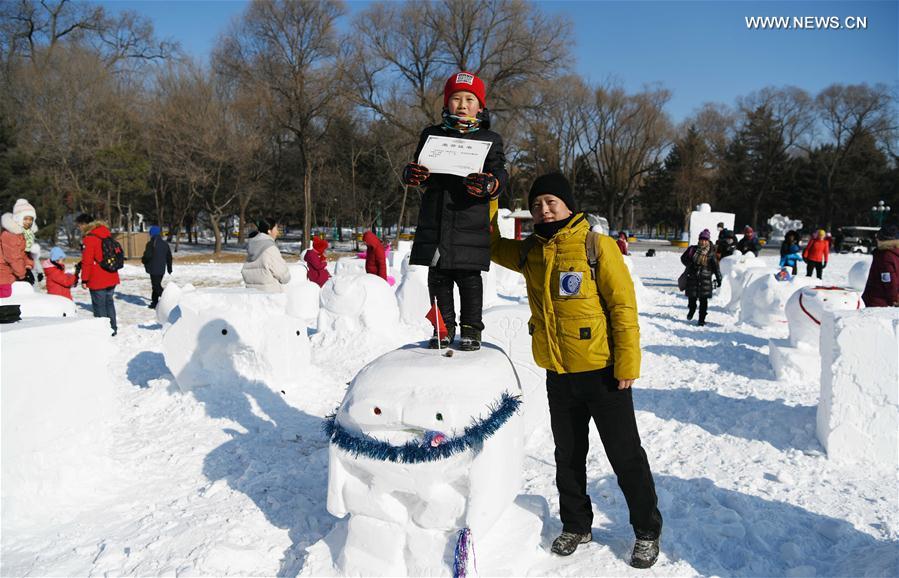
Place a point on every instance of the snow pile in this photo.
(358, 304)
(404, 516)
(234, 335)
(58, 407)
(798, 357)
(34, 304)
(167, 311)
(858, 413)
(509, 283)
(763, 301)
(303, 299)
(412, 294)
(737, 272)
(349, 266)
(644, 296)
(858, 275)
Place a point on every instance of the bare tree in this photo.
(624, 137)
(288, 51)
(848, 113)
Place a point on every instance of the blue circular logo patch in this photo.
(571, 283)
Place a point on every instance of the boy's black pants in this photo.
(574, 398)
(471, 295)
(156, 282)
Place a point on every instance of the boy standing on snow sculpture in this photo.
(586, 336)
(452, 237)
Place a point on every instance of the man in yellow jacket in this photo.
(585, 334)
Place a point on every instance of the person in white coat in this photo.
(265, 269)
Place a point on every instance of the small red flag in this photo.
(436, 320)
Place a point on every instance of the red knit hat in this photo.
(464, 81)
(319, 244)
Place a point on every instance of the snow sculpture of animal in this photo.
(858, 275)
(353, 303)
(763, 301)
(806, 307)
(33, 304)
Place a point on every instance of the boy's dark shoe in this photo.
(645, 553)
(701, 321)
(690, 314)
(445, 340)
(568, 542)
(471, 339)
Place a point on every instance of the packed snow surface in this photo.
(232, 478)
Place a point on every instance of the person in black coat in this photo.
(726, 244)
(157, 260)
(750, 242)
(703, 274)
(453, 233)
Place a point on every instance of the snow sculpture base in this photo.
(797, 364)
(234, 335)
(33, 304)
(511, 548)
(858, 412)
(56, 431)
(405, 513)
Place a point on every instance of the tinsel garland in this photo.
(415, 452)
(464, 555)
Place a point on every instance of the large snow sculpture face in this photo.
(806, 308)
(405, 444)
(765, 298)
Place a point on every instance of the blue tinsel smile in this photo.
(414, 452)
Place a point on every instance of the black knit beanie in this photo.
(552, 184)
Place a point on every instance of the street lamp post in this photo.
(880, 211)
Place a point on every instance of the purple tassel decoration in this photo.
(464, 551)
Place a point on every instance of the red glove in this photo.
(415, 174)
(482, 185)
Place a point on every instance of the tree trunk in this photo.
(216, 232)
(399, 220)
(307, 200)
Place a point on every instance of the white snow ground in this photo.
(232, 481)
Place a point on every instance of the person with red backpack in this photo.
(101, 258)
(375, 259)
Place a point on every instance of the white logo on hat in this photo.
(464, 78)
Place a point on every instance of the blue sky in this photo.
(701, 50)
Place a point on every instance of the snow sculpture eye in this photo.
(439, 416)
(298, 332)
(377, 410)
(224, 332)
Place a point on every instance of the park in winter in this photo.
(450, 288)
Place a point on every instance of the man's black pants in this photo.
(573, 399)
(471, 295)
(156, 282)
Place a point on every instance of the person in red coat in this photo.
(58, 281)
(882, 288)
(816, 254)
(375, 260)
(14, 261)
(99, 281)
(622, 243)
(317, 263)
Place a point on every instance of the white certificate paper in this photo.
(454, 156)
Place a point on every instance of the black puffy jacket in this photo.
(699, 277)
(452, 222)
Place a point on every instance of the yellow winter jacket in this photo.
(570, 319)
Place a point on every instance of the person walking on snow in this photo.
(100, 282)
(265, 268)
(816, 254)
(586, 336)
(703, 275)
(452, 238)
(58, 281)
(317, 263)
(14, 261)
(882, 288)
(157, 259)
(375, 259)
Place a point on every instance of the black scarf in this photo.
(548, 230)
